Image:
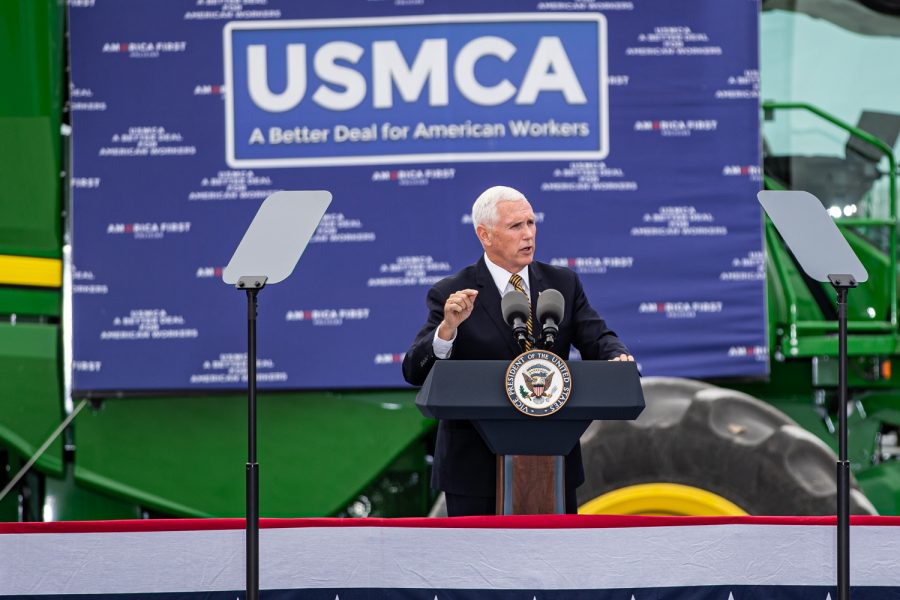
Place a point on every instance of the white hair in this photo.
(484, 211)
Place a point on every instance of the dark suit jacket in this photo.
(462, 462)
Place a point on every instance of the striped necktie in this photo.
(516, 281)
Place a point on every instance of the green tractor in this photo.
(700, 448)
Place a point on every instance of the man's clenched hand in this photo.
(457, 309)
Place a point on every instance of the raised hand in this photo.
(457, 309)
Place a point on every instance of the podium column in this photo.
(530, 485)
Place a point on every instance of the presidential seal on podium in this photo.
(538, 383)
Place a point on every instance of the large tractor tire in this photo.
(891, 7)
(702, 450)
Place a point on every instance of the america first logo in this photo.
(538, 383)
(429, 88)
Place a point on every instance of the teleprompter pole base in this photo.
(843, 532)
(252, 531)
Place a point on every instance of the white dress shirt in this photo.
(501, 277)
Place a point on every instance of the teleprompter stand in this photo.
(824, 255)
(267, 254)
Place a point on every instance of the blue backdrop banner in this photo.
(632, 127)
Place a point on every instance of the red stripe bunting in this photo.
(510, 522)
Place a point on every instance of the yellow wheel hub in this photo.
(661, 499)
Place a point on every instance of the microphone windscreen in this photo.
(550, 304)
(514, 304)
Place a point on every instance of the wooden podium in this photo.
(530, 450)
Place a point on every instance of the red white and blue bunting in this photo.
(494, 558)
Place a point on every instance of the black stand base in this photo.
(252, 531)
(843, 532)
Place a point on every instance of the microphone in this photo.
(515, 308)
(549, 312)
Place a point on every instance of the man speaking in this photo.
(465, 323)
